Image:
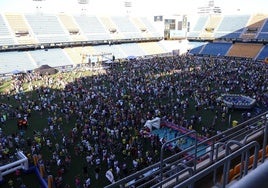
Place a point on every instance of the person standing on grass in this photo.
(97, 172)
(77, 182)
(87, 183)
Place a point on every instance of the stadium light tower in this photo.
(83, 4)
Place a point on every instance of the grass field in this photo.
(38, 121)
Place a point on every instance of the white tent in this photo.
(153, 123)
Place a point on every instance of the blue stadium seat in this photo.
(231, 24)
(216, 49)
(264, 53)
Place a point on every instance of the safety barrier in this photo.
(21, 163)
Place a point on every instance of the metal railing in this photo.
(223, 162)
(234, 139)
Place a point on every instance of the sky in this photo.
(139, 7)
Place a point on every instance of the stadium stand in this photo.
(126, 27)
(222, 149)
(75, 53)
(246, 50)
(196, 47)
(52, 57)
(132, 49)
(210, 27)
(47, 28)
(115, 50)
(54, 30)
(111, 27)
(256, 178)
(73, 29)
(5, 34)
(253, 27)
(145, 32)
(216, 48)
(149, 26)
(263, 34)
(20, 28)
(15, 61)
(231, 26)
(152, 48)
(263, 53)
(198, 27)
(92, 27)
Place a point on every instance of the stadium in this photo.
(130, 100)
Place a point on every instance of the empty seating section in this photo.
(132, 49)
(44, 24)
(89, 50)
(47, 25)
(265, 26)
(212, 24)
(68, 23)
(232, 26)
(75, 54)
(26, 40)
(111, 27)
(73, 29)
(20, 28)
(78, 37)
(107, 22)
(151, 48)
(256, 21)
(126, 27)
(113, 49)
(51, 39)
(233, 23)
(98, 36)
(6, 41)
(196, 47)
(149, 26)
(216, 49)
(263, 53)
(198, 27)
(17, 28)
(253, 27)
(17, 23)
(263, 35)
(11, 61)
(5, 36)
(144, 31)
(214, 21)
(51, 57)
(238, 169)
(92, 27)
(247, 50)
(3, 28)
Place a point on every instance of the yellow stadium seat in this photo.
(230, 176)
(237, 170)
(260, 155)
(251, 161)
(266, 151)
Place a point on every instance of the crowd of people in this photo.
(96, 119)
